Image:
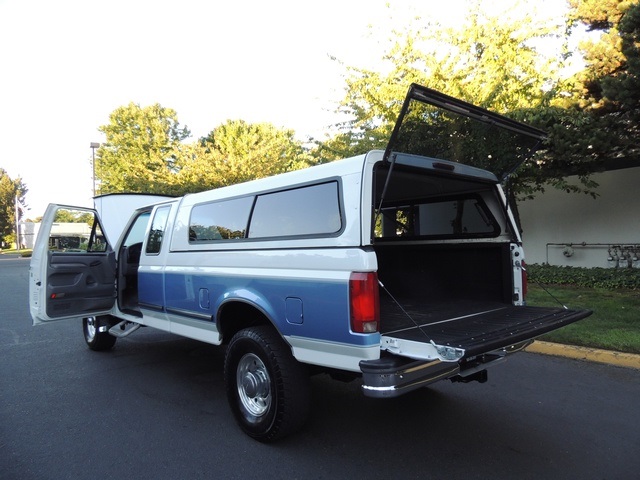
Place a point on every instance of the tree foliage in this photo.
(9, 189)
(237, 151)
(73, 216)
(610, 85)
(142, 150)
(145, 151)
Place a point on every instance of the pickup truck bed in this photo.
(478, 327)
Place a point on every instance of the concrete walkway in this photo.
(620, 359)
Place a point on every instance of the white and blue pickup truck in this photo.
(398, 267)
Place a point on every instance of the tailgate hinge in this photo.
(421, 350)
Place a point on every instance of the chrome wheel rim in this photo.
(91, 328)
(254, 385)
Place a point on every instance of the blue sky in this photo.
(67, 64)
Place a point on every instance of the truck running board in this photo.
(120, 329)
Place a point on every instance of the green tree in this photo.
(145, 151)
(610, 84)
(142, 152)
(603, 56)
(9, 189)
(73, 216)
(237, 151)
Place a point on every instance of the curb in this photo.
(619, 359)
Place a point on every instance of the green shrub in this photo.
(607, 278)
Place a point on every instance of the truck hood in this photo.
(434, 125)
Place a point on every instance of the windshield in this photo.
(435, 125)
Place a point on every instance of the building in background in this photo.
(577, 230)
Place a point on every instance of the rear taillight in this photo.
(364, 302)
(525, 284)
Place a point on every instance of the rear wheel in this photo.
(96, 339)
(267, 388)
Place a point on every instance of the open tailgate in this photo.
(489, 329)
(435, 347)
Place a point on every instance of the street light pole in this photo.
(17, 224)
(93, 146)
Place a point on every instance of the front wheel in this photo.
(268, 390)
(95, 338)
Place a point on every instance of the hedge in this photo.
(608, 278)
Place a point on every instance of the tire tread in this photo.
(291, 382)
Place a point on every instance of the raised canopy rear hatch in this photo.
(434, 125)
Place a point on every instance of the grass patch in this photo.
(24, 252)
(614, 325)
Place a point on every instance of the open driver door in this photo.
(73, 269)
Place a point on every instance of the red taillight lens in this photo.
(525, 284)
(364, 301)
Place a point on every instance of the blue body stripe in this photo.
(151, 290)
(324, 303)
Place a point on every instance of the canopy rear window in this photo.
(455, 217)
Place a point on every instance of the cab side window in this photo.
(156, 233)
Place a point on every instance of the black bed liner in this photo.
(476, 327)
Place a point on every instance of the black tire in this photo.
(96, 340)
(267, 388)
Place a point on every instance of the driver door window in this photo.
(76, 231)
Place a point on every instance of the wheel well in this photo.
(235, 316)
